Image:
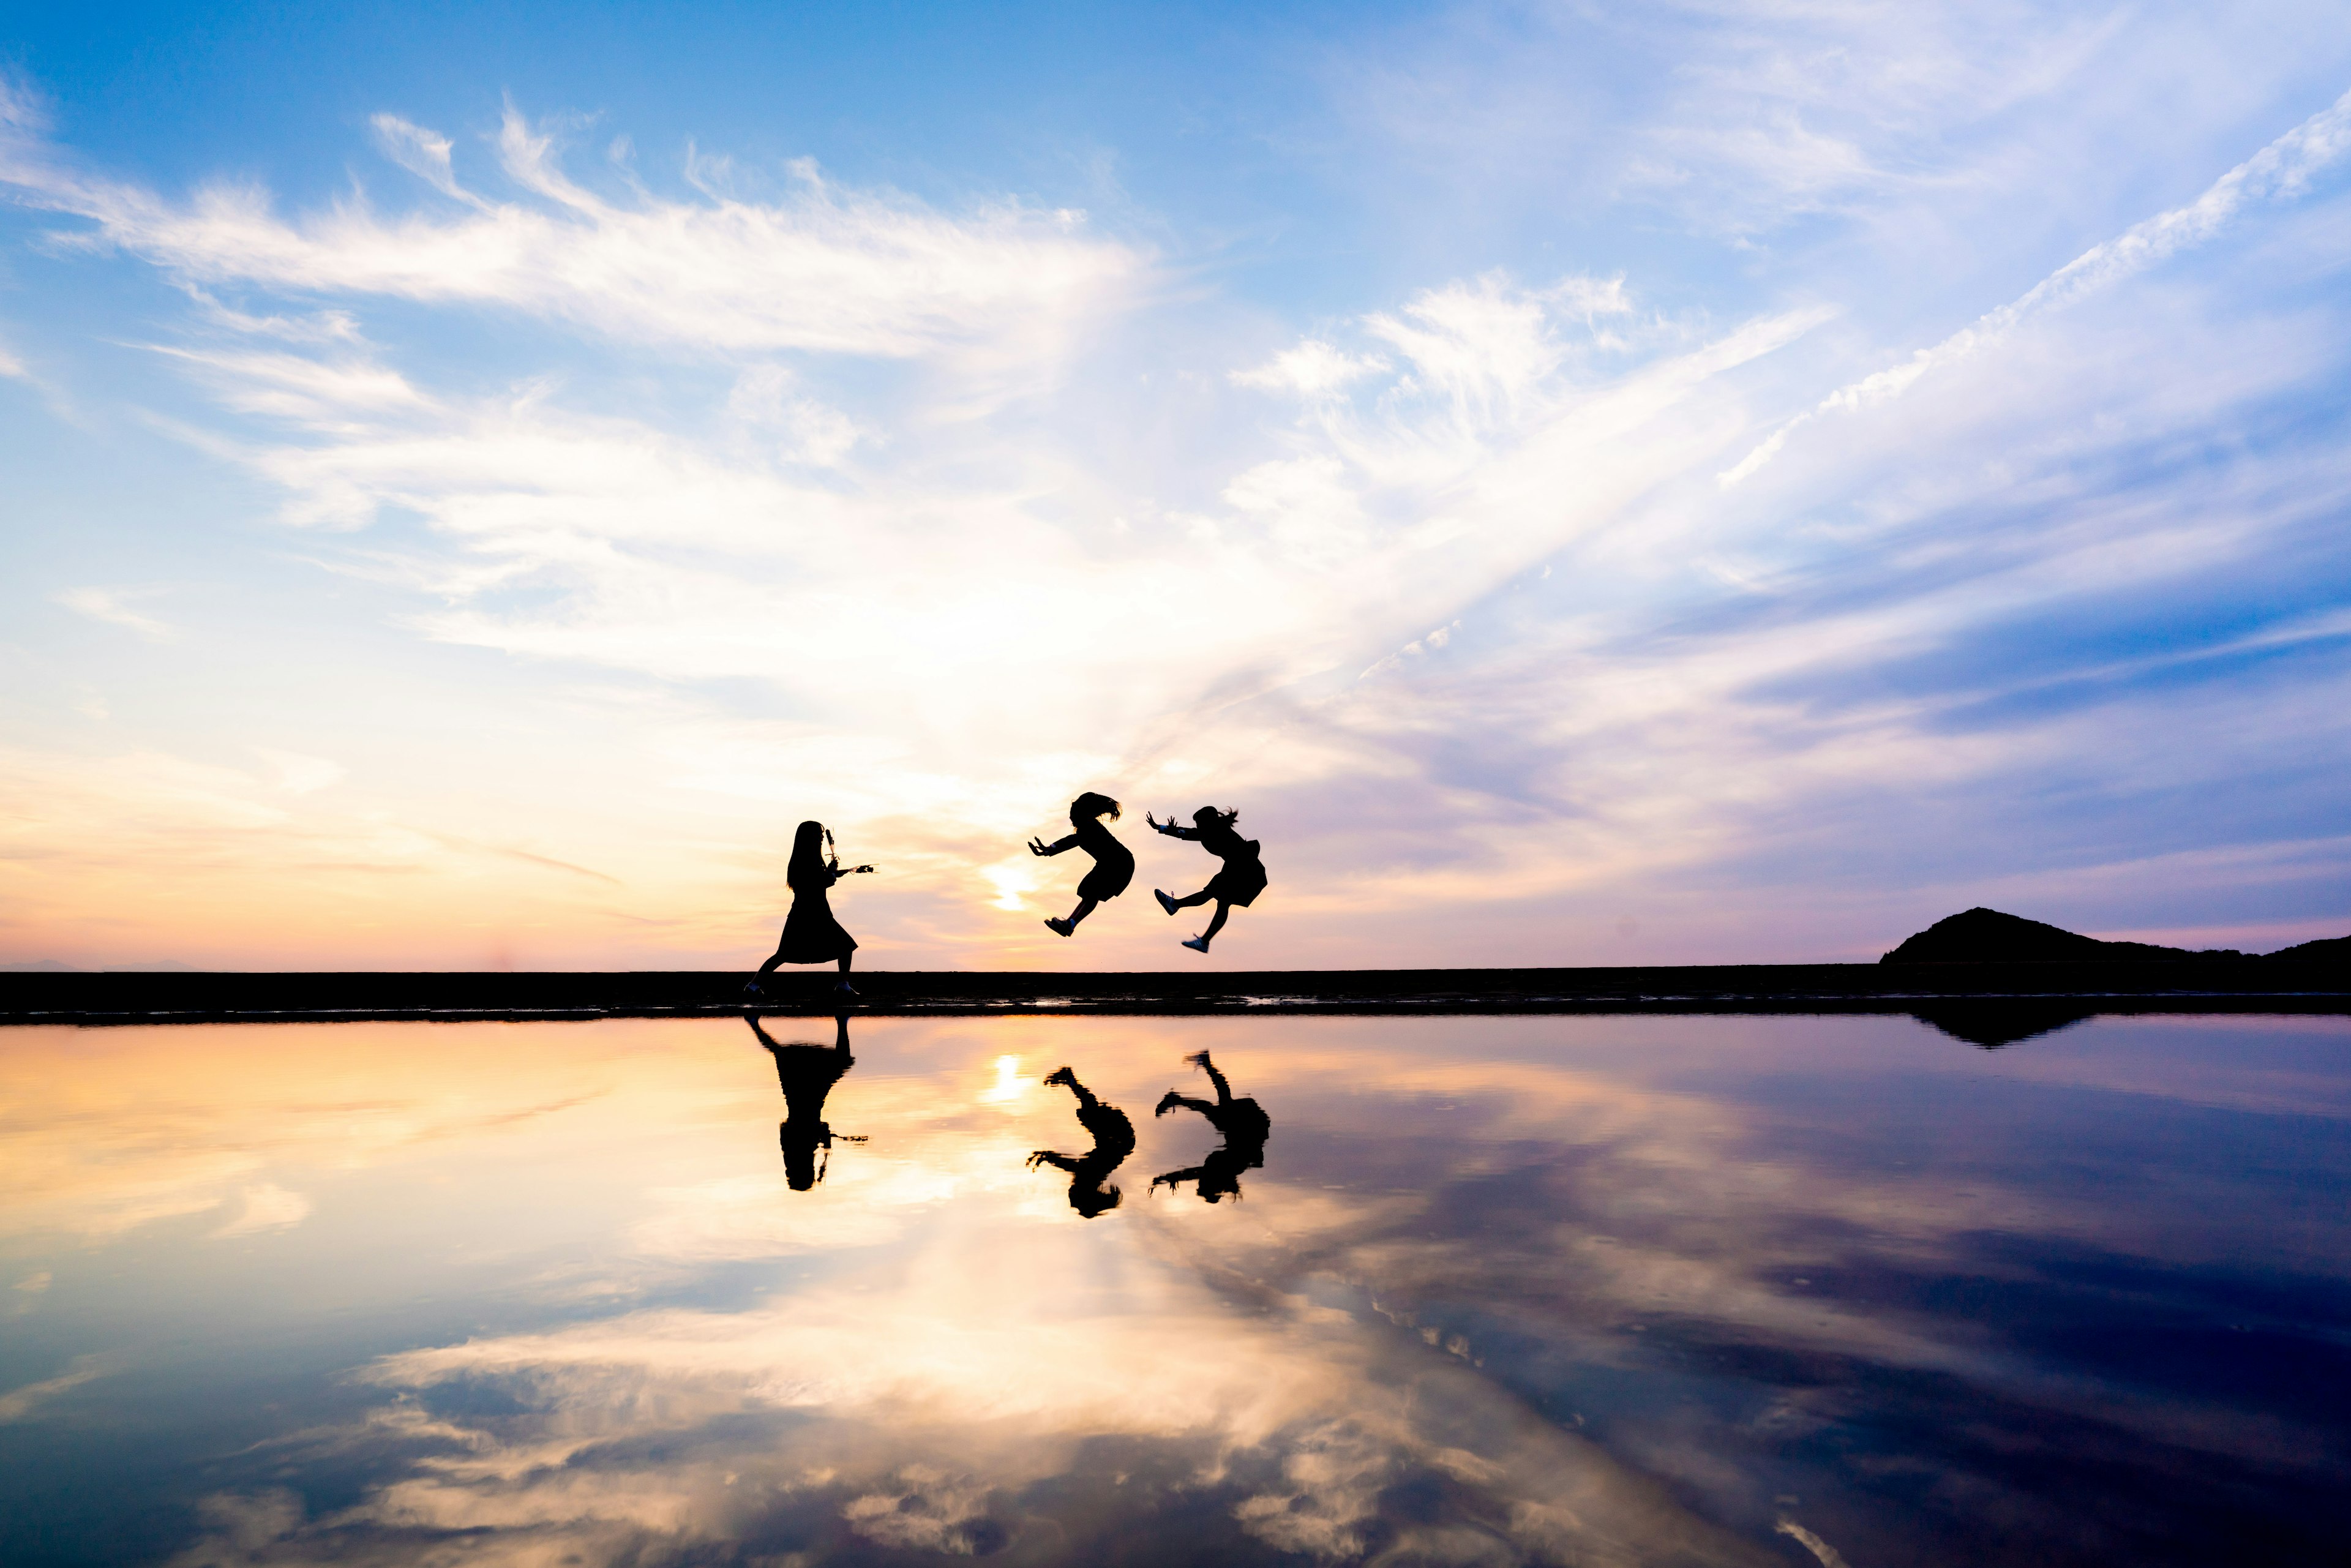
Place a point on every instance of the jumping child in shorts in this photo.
(1113, 862)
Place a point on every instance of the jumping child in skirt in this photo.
(1237, 884)
(811, 936)
(1113, 862)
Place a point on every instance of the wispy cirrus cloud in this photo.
(2280, 172)
(816, 268)
(113, 606)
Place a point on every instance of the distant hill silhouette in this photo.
(2326, 949)
(1987, 936)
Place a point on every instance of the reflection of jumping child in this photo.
(1237, 884)
(1243, 1123)
(1113, 1137)
(811, 936)
(1113, 862)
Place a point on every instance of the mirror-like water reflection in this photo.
(1560, 1290)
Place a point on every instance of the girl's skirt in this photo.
(1241, 882)
(811, 936)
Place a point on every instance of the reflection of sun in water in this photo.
(1008, 1085)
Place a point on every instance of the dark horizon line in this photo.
(2194, 983)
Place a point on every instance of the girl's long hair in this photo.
(807, 868)
(1092, 804)
(1220, 818)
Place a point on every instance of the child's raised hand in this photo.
(853, 870)
(1037, 847)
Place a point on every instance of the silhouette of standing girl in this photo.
(1237, 885)
(811, 936)
(1113, 862)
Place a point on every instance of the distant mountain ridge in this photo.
(1982, 935)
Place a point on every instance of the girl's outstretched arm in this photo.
(1038, 847)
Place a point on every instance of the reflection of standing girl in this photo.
(1237, 884)
(1113, 862)
(807, 1073)
(811, 936)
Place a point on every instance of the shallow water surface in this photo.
(1539, 1290)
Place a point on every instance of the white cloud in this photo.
(18, 1404)
(821, 269)
(298, 775)
(112, 606)
(267, 1207)
(2280, 172)
(425, 153)
(1310, 370)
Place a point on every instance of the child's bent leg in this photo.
(1085, 907)
(1200, 897)
(1215, 921)
(1224, 1090)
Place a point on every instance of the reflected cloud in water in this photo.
(1591, 1289)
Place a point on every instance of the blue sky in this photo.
(1653, 484)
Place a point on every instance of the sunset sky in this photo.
(1591, 485)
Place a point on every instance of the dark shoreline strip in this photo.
(2189, 986)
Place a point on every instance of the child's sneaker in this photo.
(1197, 943)
(1165, 902)
(1058, 925)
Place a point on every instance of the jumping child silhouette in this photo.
(1113, 862)
(811, 936)
(1237, 884)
